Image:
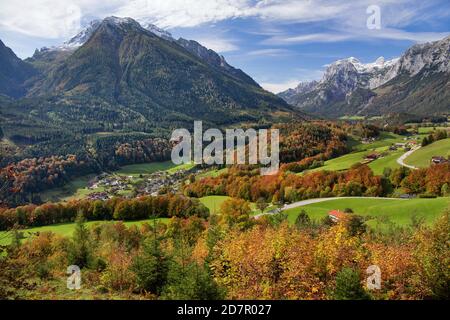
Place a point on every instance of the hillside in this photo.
(422, 157)
(125, 64)
(13, 73)
(118, 77)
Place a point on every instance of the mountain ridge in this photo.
(349, 87)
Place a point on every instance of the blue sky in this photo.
(277, 42)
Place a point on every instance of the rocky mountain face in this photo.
(13, 73)
(215, 60)
(350, 87)
(302, 88)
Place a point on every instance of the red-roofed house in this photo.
(336, 215)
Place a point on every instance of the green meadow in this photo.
(75, 189)
(145, 168)
(378, 211)
(389, 161)
(422, 157)
(361, 150)
(428, 130)
(213, 203)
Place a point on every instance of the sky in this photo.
(277, 42)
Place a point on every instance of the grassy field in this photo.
(422, 157)
(343, 162)
(352, 118)
(386, 139)
(212, 173)
(145, 168)
(66, 229)
(213, 203)
(361, 150)
(389, 161)
(399, 212)
(428, 130)
(75, 189)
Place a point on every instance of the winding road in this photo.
(401, 162)
(317, 200)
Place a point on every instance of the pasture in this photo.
(378, 211)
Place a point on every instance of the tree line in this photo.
(244, 182)
(163, 206)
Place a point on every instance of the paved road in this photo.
(404, 156)
(317, 200)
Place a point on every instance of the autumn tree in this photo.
(432, 254)
(261, 204)
(236, 212)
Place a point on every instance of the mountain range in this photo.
(418, 83)
(118, 75)
(119, 81)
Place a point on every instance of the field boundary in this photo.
(318, 200)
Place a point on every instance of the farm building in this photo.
(336, 215)
(372, 157)
(438, 160)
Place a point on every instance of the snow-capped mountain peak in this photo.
(158, 31)
(83, 36)
(378, 64)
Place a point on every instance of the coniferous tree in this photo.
(80, 250)
(348, 286)
(151, 267)
(302, 220)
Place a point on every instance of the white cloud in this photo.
(304, 38)
(271, 52)
(277, 87)
(40, 18)
(298, 11)
(361, 35)
(183, 13)
(304, 75)
(396, 34)
(341, 19)
(218, 44)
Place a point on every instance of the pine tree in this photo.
(302, 220)
(348, 286)
(151, 267)
(80, 251)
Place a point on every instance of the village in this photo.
(108, 185)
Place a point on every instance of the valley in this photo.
(360, 152)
